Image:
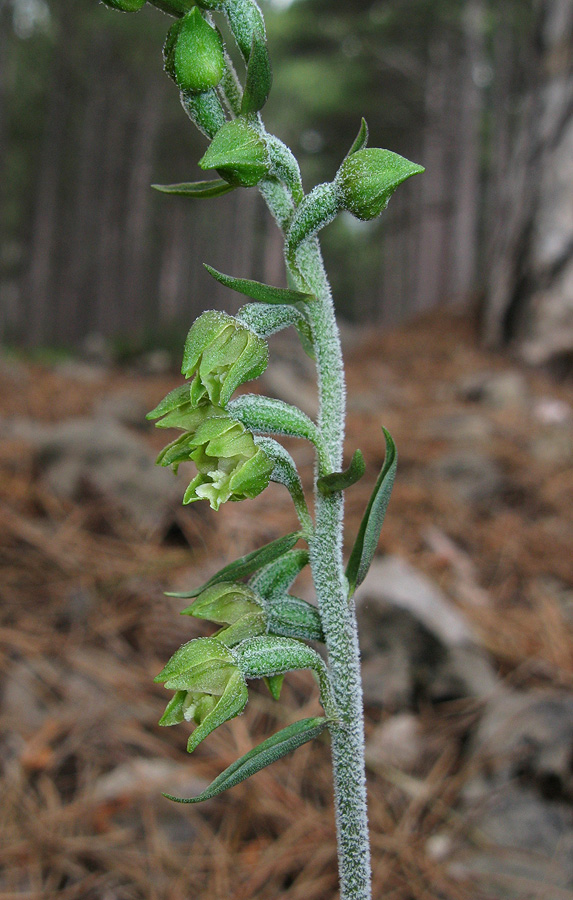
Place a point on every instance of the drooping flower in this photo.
(210, 688)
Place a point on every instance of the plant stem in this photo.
(338, 616)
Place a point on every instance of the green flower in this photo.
(220, 354)
(229, 463)
(234, 605)
(210, 688)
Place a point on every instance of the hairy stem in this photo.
(338, 617)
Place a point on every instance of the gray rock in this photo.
(459, 428)
(414, 643)
(84, 372)
(530, 737)
(552, 446)
(472, 477)
(126, 407)
(105, 458)
(526, 846)
(393, 581)
(397, 742)
(498, 390)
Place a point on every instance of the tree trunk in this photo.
(530, 292)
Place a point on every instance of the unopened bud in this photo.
(367, 179)
(239, 154)
(193, 53)
(174, 7)
(125, 5)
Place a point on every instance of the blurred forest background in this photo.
(467, 615)
(480, 92)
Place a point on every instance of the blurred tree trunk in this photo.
(433, 259)
(139, 197)
(530, 292)
(38, 282)
(466, 199)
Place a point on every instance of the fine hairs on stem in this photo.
(263, 630)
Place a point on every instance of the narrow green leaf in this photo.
(369, 531)
(275, 685)
(259, 76)
(339, 481)
(274, 748)
(361, 138)
(264, 293)
(246, 565)
(198, 189)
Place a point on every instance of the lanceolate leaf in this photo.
(369, 532)
(256, 290)
(258, 758)
(259, 77)
(361, 138)
(339, 481)
(198, 189)
(246, 565)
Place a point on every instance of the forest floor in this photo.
(482, 507)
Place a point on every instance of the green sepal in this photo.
(224, 603)
(246, 565)
(360, 140)
(274, 748)
(173, 400)
(248, 626)
(190, 416)
(339, 481)
(238, 153)
(194, 653)
(216, 187)
(263, 293)
(259, 76)
(367, 179)
(231, 704)
(275, 685)
(175, 710)
(125, 5)
(369, 531)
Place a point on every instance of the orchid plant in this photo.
(265, 631)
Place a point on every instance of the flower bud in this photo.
(193, 53)
(233, 605)
(174, 7)
(229, 463)
(210, 688)
(222, 353)
(239, 154)
(125, 5)
(367, 179)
